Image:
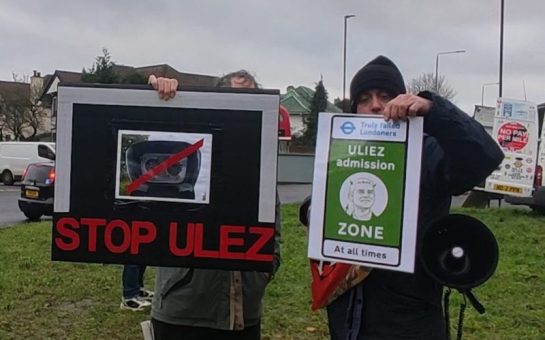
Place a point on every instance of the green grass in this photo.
(40, 299)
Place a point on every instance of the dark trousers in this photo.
(345, 320)
(344, 315)
(338, 317)
(165, 331)
(133, 280)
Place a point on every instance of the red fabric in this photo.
(323, 286)
(284, 126)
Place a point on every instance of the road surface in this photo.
(9, 210)
(288, 193)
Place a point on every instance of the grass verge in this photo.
(41, 299)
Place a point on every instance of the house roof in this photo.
(62, 76)
(294, 105)
(298, 100)
(163, 70)
(68, 77)
(12, 88)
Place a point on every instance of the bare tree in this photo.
(426, 82)
(18, 114)
(20, 79)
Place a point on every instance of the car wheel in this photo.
(32, 216)
(7, 178)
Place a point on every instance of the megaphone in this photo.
(460, 252)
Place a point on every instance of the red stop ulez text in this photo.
(137, 233)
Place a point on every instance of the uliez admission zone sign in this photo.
(365, 191)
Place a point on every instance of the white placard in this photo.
(365, 191)
(516, 132)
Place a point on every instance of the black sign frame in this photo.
(230, 224)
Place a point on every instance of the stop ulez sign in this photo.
(512, 136)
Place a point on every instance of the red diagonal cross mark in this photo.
(156, 170)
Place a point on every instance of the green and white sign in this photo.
(365, 191)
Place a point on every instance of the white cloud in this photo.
(284, 42)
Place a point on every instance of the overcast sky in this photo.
(286, 42)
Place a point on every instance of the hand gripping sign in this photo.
(365, 191)
(189, 182)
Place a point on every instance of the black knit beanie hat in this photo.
(379, 74)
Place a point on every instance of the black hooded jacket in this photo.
(457, 155)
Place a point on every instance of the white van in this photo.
(15, 156)
(537, 200)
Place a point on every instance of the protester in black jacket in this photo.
(457, 154)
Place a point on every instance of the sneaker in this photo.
(146, 295)
(136, 304)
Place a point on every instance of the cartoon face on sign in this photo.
(512, 136)
(363, 195)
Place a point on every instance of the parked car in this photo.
(37, 188)
(15, 156)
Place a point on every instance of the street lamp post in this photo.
(346, 17)
(501, 47)
(482, 90)
(437, 66)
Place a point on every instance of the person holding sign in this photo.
(193, 303)
(457, 154)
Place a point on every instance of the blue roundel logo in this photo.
(347, 128)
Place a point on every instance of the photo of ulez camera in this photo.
(176, 181)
